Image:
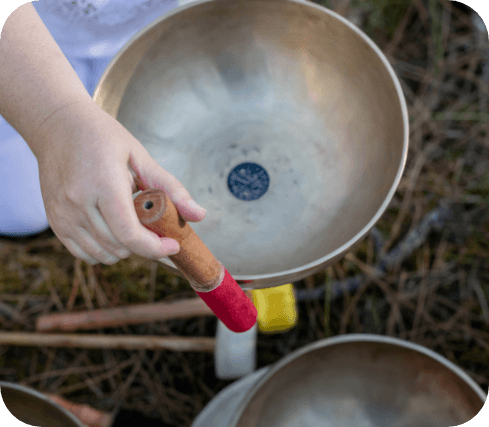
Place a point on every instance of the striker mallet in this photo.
(207, 276)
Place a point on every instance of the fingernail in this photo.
(195, 206)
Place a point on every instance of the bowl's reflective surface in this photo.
(286, 85)
(361, 381)
(34, 408)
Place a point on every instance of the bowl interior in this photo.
(35, 409)
(361, 384)
(281, 100)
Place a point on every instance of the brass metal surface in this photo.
(361, 381)
(285, 84)
(35, 409)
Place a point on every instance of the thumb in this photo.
(148, 173)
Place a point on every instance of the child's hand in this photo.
(89, 167)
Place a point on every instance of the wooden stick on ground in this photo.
(119, 316)
(86, 414)
(127, 342)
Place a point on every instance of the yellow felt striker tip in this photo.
(276, 308)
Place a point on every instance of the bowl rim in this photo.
(40, 396)
(349, 338)
(314, 265)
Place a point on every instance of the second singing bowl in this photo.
(281, 118)
(361, 380)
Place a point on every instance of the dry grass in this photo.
(437, 295)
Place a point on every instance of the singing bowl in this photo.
(361, 381)
(281, 118)
(35, 409)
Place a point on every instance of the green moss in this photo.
(129, 279)
(451, 154)
(450, 255)
(473, 355)
(29, 263)
(325, 3)
(433, 200)
(352, 269)
(361, 252)
(385, 15)
(477, 245)
(436, 12)
(480, 187)
(10, 282)
(132, 291)
(375, 313)
(384, 224)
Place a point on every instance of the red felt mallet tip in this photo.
(230, 304)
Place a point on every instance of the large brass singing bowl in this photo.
(361, 381)
(280, 117)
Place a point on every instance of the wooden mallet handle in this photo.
(206, 274)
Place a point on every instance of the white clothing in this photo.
(90, 33)
(98, 28)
